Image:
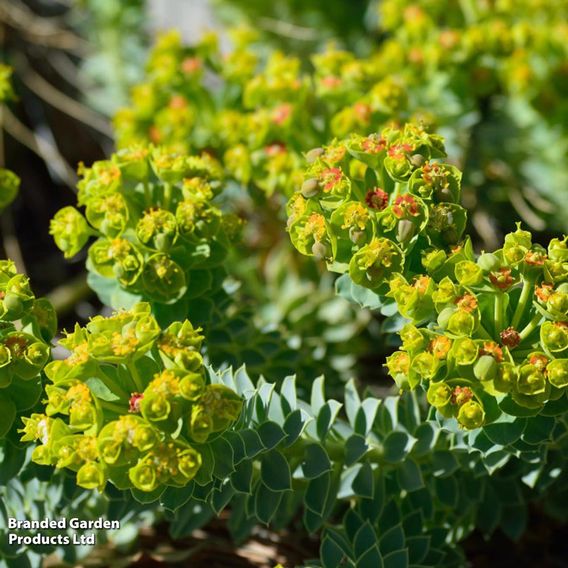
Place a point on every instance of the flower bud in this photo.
(91, 476)
(558, 249)
(372, 265)
(425, 365)
(9, 183)
(189, 462)
(412, 338)
(531, 381)
(439, 394)
(155, 408)
(144, 438)
(468, 273)
(510, 337)
(464, 351)
(557, 372)
(82, 415)
(554, 336)
(558, 303)
(471, 415)
(314, 154)
(489, 262)
(201, 425)
(157, 228)
(192, 386)
(70, 231)
(310, 188)
(506, 377)
(433, 259)
(143, 475)
(461, 323)
(485, 368)
(163, 279)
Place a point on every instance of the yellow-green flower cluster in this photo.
(482, 48)
(130, 404)
(266, 111)
(159, 235)
(486, 330)
(369, 205)
(27, 324)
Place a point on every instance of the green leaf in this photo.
(365, 538)
(365, 298)
(504, 433)
(417, 548)
(189, 518)
(275, 471)
(366, 414)
(317, 399)
(252, 442)
(100, 389)
(514, 521)
(224, 458)
(391, 540)
(509, 406)
(205, 473)
(371, 559)
(271, 434)
(489, 511)
(331, 554)
(293, 426)
(221, 497)
(241, 478)
(397, 445)
(355, 449)
(7, 414)
(352, 402)
(397, 559)
(288, 397)
(147, 497)
(427, 436)
(317, 494)
(312, 521)
(410, 476)
(539, 429)
(25, 394)
(447, 490)
(175, 497)
(316, 461)
(327, 414)
(356, 481)
(444, 463)
(266, 502)
(12, 459)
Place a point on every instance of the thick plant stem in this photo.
(524, 298)
(499, 312)
(135, 375)
(531, 326)
(167, 195)
(112, 406)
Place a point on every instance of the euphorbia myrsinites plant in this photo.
(486, 334)
(133, 408)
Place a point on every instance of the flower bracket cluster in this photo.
(488, 334)
(27, 325)
(130, 404)
(159, 236)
